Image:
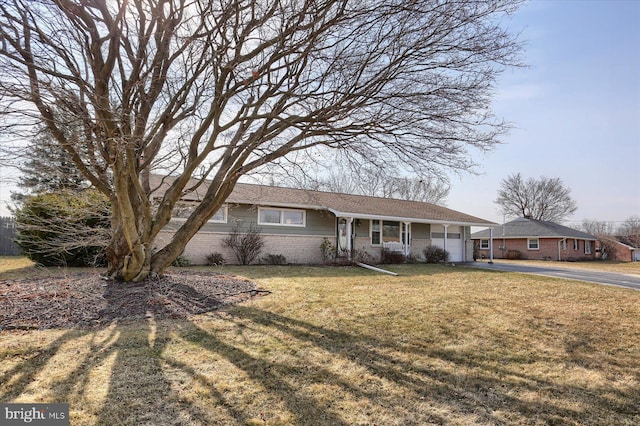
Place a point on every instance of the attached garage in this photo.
(454, 243)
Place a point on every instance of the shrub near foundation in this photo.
(274, 259)
(435, 254)
(513, 254)
(65, 228)
(216, 259)
(245, 245)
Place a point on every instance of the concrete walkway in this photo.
(599, 277)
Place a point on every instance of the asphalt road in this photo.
(608, 278)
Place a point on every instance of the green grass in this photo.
(346, 346)
(16, 267)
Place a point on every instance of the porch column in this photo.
(407, 247)
(446, 227)
(349, 231)
(490, 245)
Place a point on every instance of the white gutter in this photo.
(537, 237)
(284, 205)
(362, 215)
(410, 219)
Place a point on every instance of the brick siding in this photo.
(548, 249)
(301, 249)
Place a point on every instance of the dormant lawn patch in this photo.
(344, 346)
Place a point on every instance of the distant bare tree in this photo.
(539, 199)
(598, 228)
(605, 232)
(630, 231)
(210, 91)
(372, 181)
(433, 190)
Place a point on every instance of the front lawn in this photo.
(347, 346)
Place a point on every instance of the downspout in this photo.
(406, 239)
(560, 244)
(463, 236)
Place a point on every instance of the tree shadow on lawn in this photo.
(19, 377)
(410, 384)
(472, 387)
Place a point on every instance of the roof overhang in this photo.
(282, 205)
(522, 237)
(409, 219)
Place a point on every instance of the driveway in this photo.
(608, 278)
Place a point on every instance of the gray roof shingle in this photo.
(523, 228)
(342, 204)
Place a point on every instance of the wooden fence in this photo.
(7, 234)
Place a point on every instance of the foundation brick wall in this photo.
(364, 244)
(418, 245)
(548, 249)
(302, 249)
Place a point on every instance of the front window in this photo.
(284, 217)
(533, 244)
(375, 233)
(576, 245)
(390, 231)
(587, 247)
(384, 231)
(484, 244)
(183, 210)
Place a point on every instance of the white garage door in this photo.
(455, 243)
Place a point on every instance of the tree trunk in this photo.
(130, 250)
(127, 264)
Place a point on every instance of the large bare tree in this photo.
(539, 199)
(210, 90)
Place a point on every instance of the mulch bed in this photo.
(86, 300)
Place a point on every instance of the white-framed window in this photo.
(533, 244)
(450, 235)
(385, 231)
(484, 244)
(376, 235)
(281, 217)
(576, 244)
(220, 216)
(182, 211)
(587, 247)
(390, 231)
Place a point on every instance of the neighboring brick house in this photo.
(536, 239)
(617, 250)
(295, 222)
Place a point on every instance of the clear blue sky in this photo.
(576, 110)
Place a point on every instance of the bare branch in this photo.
(219, 89)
